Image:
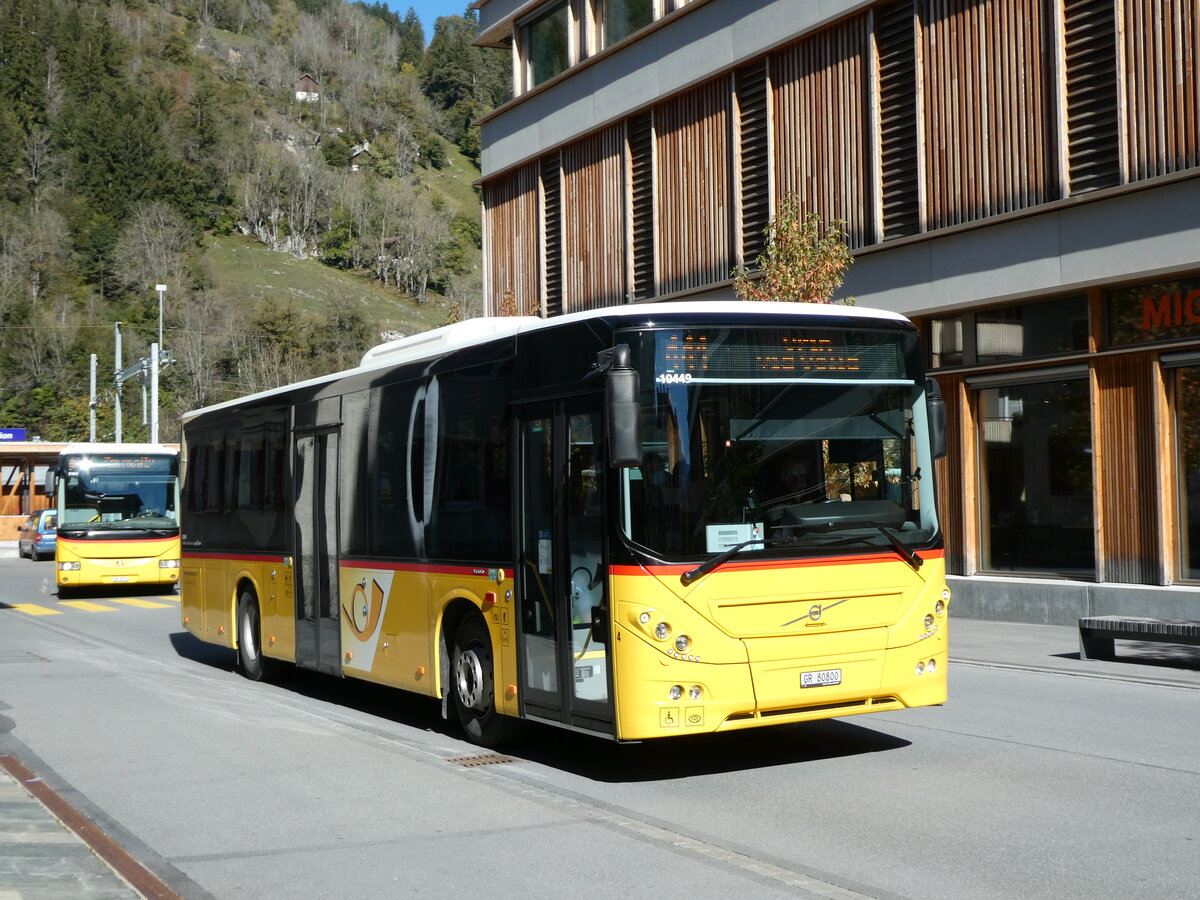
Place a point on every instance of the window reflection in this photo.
(1031, 329)
(546, 45)
(1037, 478)
(623, 17)
(1187, 393)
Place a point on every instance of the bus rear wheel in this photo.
(473, 685)
(251, 661)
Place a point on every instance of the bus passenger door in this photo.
(563, 580)
(318, 639)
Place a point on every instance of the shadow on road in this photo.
(1147, 653)
(703, 754)
(595, 758)
(188, 646)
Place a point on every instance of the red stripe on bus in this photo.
(234, 557)
(427, 568)
(750, 566)
(92, 542)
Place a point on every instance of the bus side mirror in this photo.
(937, 418)
(51, 480)
(622, 387)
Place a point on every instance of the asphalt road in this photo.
(1031, 782)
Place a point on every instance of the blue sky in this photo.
(428, 11)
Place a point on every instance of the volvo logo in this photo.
(816, 611)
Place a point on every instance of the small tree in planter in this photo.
(805, 259)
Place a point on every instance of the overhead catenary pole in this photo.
(154, 394)
(92, 400)
(162, 289)
(117, 370)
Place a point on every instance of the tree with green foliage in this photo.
(454, 70)
(23, 36)
(805, 258)
(411, 48)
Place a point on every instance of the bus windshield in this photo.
(119, 492)
(788, 441)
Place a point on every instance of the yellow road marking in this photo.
(141, 604)
(32, 609)
(84, 605)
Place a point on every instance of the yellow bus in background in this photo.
(118, 516)
(638, 522)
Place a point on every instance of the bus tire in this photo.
(251, 661)
(473, 685)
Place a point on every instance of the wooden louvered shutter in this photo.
(1162, 86)
(552, 235)
(895, 43)
(1093, 138)
(510, 258)
(641, 185)
(754, 135)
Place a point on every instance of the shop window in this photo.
(547, 50)
(1036, 475)
(1187, 405)
(623, 17)
(1020, 331)
(946, 342)
(1045, 328)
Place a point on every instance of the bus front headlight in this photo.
(68, 567)
(168, 564)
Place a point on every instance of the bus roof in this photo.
(439, 341)
(162, 449)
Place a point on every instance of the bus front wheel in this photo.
(473, 686)
(251, 661)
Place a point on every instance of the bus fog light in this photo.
(644, 618)
(682, 643)
(168, 564)
(676, 691)
(940, 607)
(928, 622)
(695, 692)
(920, 668)
(662, 631)
(68, 567)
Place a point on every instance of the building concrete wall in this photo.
(1135, 235)
(1061, 602)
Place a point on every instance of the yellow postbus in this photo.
(638, 522)
(118, 516)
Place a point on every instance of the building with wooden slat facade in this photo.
(1019, 177)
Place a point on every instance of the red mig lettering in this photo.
(1156, 313)
(1191, 309)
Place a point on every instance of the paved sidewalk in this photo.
(1020, 645)
(41, 859)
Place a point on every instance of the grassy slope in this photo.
(242, 267)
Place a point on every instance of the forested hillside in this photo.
(177, 142)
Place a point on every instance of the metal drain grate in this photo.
(488, 759)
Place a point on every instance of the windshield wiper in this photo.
(723, 557)
(910, 556)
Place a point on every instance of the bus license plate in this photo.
(820, 679)
(120, 578)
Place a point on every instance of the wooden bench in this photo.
(1097, 633)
